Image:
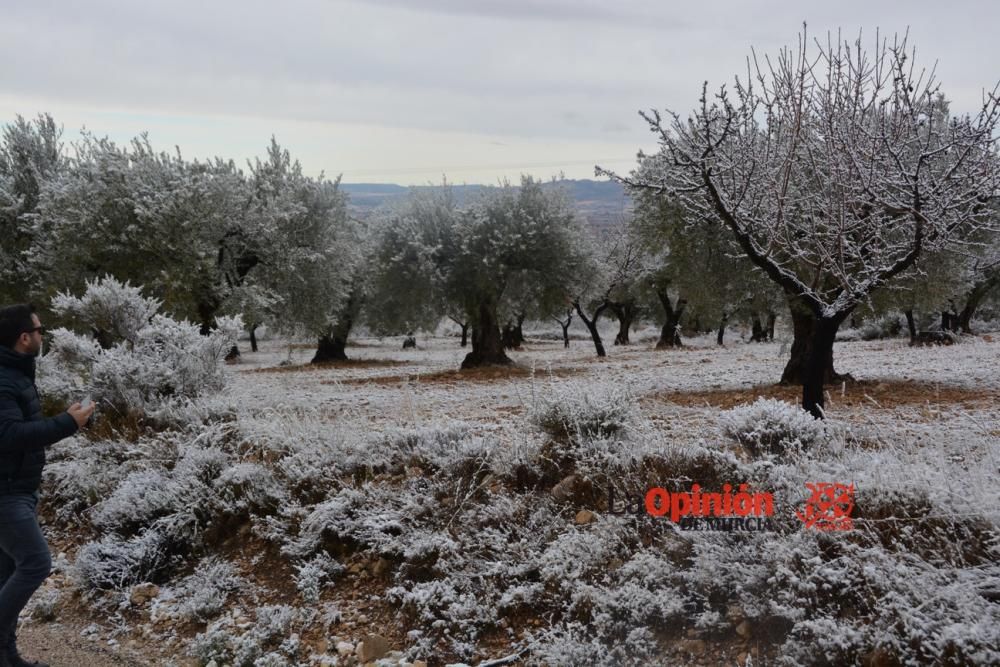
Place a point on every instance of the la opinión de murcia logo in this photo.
(829, 507)
(698, 510)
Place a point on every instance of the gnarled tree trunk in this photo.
(253, 337)
(670, 335)
(333, 343)
(330, 348)
(974, 298)
(487, 345)
(818, 359)
(625, 314)
(565, 327)
(803, 326)
(911, 325)
(591, 325)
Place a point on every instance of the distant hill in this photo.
(599, 203)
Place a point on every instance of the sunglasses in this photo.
(40, 330)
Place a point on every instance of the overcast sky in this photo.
(406, 91)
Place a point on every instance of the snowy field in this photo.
(394, 509)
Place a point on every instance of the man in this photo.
(25, 561)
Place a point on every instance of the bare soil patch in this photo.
(349, 363)
(865, 393)
(483, 374)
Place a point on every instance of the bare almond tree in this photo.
(834, 168)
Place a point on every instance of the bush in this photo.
(142, 360)
(113, 563)
(203, 594)
(605, 413)
(772, 427)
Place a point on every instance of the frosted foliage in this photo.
(116, 563)
(831, 166)
(203, 594)
(117, 309)
(606, 412)
(157, 360)
(266, 643)
(769, 426)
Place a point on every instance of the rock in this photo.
(345, 648)
(419, 663)
(372, 647)
(143, 593)
(743, 629)
(564, 490)
(585, 517)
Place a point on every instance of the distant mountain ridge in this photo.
(599, 203)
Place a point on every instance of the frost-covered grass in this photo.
(457, 504)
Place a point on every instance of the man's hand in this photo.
(80, 414)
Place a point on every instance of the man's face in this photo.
(33, 343)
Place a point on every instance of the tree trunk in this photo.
(519, 330)
(465, 330)
(803, 322)
(565, 326)
(206, 313)
(625, 313)
(771, 318)
(911, 325)
(332, 345)
(487, 346)
(670, 334)
(722, 331)
(818, 359)
(974, 298)
(757, 332)
(253, 337)
(330, 348)
(591, 325)
(507, 336)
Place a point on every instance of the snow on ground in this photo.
(950, 449)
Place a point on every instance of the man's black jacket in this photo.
(24, 434)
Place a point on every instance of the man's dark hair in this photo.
(14, 321)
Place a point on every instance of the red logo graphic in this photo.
(829, 507)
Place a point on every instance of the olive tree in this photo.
(513, 245)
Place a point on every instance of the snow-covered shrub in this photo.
(77, 477)
(140, 499)
(116, 563)
(266, 643)
(371, 516)
(571, 643)
(774, 427)
(886, 326)
(247, 487)
(606, 412)
(203, 594)
(150, 359)
(117, 311)
(313, 574)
